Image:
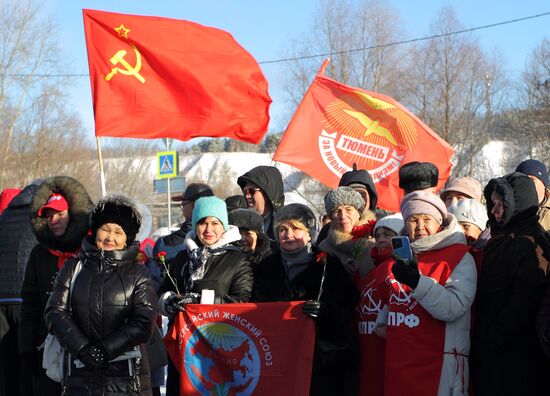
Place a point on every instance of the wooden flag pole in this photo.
(101, 172)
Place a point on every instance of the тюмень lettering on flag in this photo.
(341, 125)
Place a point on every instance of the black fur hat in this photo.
(120, 210)
(246, 218)
(415, 176)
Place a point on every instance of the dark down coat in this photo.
(42, 266)
(506, 356)
(114, 305)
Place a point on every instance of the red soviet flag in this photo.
(341, 125)
(243, 349)
(157, 77)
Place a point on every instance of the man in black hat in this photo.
(361, 181)
(172, 244)
(538, 172)
(263, 189)
(414, 176)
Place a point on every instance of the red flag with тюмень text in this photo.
(157, 77)
(243, 349)
(341, 125)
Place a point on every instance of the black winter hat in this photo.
(415, 176)
(246, 218)
(299, 212)
(363, 178)
(534, 168)
(117, 209)
(235, 202)
(194, 191)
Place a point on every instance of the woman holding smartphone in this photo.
(427, 300)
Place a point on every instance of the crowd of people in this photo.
(464, 310)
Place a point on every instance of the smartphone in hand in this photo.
(402, 247)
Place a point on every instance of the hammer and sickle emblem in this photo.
(128, 70)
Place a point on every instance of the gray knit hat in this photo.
(343, 196)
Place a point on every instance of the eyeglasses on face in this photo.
(183, 203)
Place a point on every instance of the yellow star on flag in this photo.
(122, 31)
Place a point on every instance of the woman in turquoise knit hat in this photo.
(211, 260)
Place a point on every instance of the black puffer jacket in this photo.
(16, 243)
(227, 270)
(506, 356)
(269, 179)
(114, 305)
(42, 266)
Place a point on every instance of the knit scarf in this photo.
(197, 267)
(197, 262)
(296, 262)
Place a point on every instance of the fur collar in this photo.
(342, 246)
(80, 206)
(231, 235)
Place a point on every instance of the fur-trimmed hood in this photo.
(80, 206)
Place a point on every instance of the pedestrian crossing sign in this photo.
(167, 164)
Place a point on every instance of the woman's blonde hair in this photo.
(294, 223)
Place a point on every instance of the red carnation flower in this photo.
(320, 256)
(363, 231)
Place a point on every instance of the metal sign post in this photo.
(167, 168)
(169, 195)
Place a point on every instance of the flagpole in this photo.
(323, 67)
(168, 190)
(101, 172)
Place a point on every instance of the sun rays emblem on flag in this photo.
(371, 129)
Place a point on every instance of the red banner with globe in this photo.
(242, 349)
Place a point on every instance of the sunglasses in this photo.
(250, 190)
(183, 203)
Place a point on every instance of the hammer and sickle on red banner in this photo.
(128, 70)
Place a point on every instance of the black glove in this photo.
(406, 271)
(93, 357)
(178, 302)
(311, 308)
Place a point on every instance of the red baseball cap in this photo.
(55, 202)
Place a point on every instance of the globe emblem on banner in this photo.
(222, 360)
